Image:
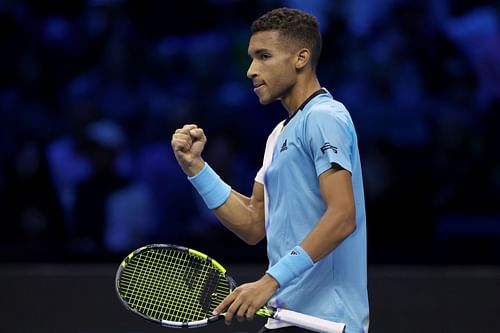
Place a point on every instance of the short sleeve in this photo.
(329, 138)
(259, 178)
(268, 154)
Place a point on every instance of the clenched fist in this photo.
(188, 143)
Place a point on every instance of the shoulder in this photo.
(276, 131)
(278, 127)
(326, 111)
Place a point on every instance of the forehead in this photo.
(267, 40)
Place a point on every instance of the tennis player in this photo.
(307, 198)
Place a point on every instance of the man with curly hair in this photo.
(307, 198)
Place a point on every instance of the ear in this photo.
(303, 58)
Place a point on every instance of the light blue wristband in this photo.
(211, 187)
(291, 266)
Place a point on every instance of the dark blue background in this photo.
(91, 92)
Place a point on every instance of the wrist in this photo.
(213, 190)
(290, 266)
(270, 281)
(194, 167)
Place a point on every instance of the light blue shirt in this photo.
(297, 152)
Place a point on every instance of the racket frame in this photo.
(291, 317)
(163, 322)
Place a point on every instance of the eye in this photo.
(264, 56)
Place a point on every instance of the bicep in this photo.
(244, 215)
(256, 203)
(256, 200)
(336, 190)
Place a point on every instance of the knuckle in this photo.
(241, 315)
(228, 317)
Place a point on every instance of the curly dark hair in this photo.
(296, 25)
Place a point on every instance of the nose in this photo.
(251, 73)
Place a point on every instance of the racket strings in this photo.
(144, 292)
(172, 285)
(158, 290)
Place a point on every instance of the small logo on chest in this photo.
(284, 146)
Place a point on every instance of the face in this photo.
(272, 71)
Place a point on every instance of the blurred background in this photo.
(92, 90)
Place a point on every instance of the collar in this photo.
(303, 105)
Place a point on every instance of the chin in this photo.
(265, 101)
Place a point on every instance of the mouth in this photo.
(258, 86)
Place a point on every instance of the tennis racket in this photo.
(178, 287)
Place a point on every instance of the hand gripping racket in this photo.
(179, 287)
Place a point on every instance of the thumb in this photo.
(198, 135)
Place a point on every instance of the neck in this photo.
(299, 93)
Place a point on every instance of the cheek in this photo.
(285, 76)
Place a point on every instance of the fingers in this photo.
(198, 134)
(238, 308)
(183, 138)
(188, 143)
(186, 128)
(181, 142)
(185, 131)
(240, 304)
(228, 303)
(224, 304)
(241, 312)
(250, 312)
(231, 311)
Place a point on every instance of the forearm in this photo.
(244, 218)
(242, 215)
(331, 230)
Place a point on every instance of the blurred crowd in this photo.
(92, 90)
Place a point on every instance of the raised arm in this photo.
(241, 214)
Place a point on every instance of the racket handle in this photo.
(308, 322)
